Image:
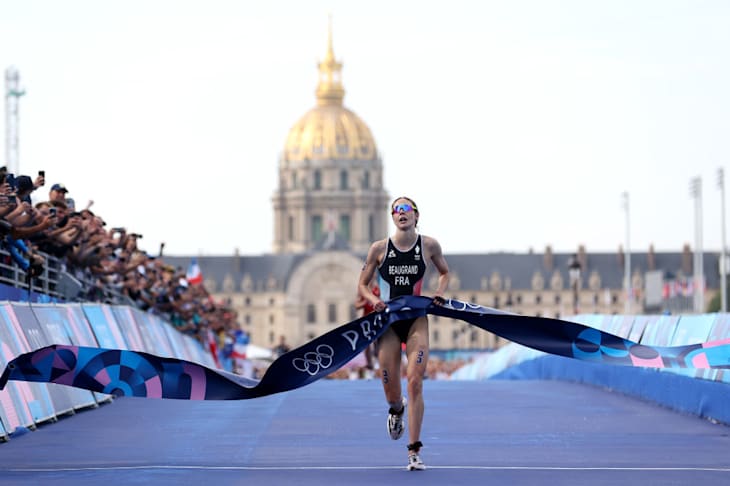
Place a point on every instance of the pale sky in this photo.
(513, 124)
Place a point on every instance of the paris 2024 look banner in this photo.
(126, 372)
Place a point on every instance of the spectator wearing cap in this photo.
(57, 193)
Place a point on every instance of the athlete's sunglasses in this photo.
(402, 207)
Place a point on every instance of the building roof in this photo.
(470, 271)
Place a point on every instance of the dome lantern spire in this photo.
(330, 90)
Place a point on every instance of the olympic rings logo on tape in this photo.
(314, 361)
(463, 306)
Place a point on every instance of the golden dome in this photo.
(330, 131)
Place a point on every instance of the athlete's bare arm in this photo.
(437, 257)
(373, 260)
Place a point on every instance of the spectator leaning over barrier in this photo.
(109, 259)
(26, 221)
(23, 188)
(58, 240)
(58, 193)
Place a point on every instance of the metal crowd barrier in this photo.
(56, 281)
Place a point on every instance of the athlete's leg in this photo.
(389, 359)
(417, 352)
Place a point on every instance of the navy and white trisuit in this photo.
(401, 273)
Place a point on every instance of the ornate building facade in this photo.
(330, 175)
(331, 204)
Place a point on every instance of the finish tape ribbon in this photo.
(139, 374)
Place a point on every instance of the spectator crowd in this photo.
(108, 260)
(114, 269)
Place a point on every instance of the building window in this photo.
(271, 337)
(317, 180)
(271, 318)
(311, 314)
(291, 228)
(518, 299)
(557, 298)
(366, 180)
(247, 319)
(495, 304)
(538, 299)
(294, 182)
(344, 183)
(247, 301)
(371, 228)
(353, 312)
(345, 226)
(435, 336)
(332, 313)
(316, 228)
(474, 337)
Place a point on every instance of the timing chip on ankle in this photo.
(416, 446)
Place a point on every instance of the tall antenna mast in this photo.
(12, 97)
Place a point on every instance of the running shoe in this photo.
(415, 463)
(395, 421)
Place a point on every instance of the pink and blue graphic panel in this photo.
(40, 334)
(152, 327)
(123, 317)
(105, 327)
(24, 403)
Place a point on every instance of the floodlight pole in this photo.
(698, 277)
(723, 250)
(627, 257)
(12, 97)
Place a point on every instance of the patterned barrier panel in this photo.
(692, 329)
(659, 332)
(28, 403)
(65, 399)
(128, 326)
(639, 326)
(720, 330)
(73, 329)
(490, 364)
(81, 332)
(24, 328)
(148, 338)
(14, 409)
(153, 326)
(621, 325)
(176, 341)
(197, 352)
(79, 328)
(105, 328)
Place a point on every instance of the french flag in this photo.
(194, 275)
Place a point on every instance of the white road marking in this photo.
(356, 468)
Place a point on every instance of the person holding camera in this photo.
(400, 264)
